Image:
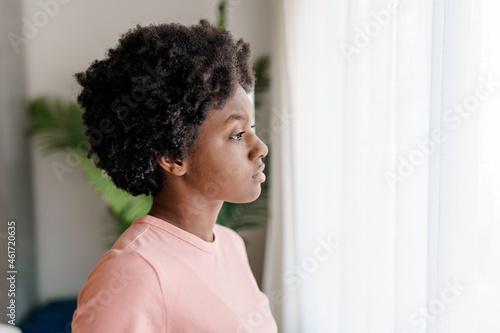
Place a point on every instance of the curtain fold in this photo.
(385, 170)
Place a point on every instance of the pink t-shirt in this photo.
(160, 278)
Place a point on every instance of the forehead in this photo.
(237, 108)
(240, 115)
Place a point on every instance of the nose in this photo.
(259, 149)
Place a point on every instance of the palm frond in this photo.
(124, 206)
(262, 80)
(58, 125)
(57, 122)
(221, 20)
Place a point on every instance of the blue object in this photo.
(53, 317)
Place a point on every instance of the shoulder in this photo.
(132, 236)
(230, 238)
(124, 263)
(227, 233)
(123, 290)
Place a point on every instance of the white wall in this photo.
(15, 180)
(70, 217)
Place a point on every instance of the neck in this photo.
(186, 210)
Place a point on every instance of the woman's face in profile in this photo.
(223, 159)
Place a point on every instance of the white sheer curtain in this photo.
(385, 170)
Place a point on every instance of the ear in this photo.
(176, 168)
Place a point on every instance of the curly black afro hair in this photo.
(152, 92)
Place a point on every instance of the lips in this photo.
(261, 168)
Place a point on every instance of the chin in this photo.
(247, 197)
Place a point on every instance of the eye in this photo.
(240, 135)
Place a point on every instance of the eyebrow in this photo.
(235, 117)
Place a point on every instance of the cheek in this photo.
(234, 169)
(227, 172)
(223, 162)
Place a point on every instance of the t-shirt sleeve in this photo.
(121, 294)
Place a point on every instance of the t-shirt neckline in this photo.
(181, 233)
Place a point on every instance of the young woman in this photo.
(167, 114)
